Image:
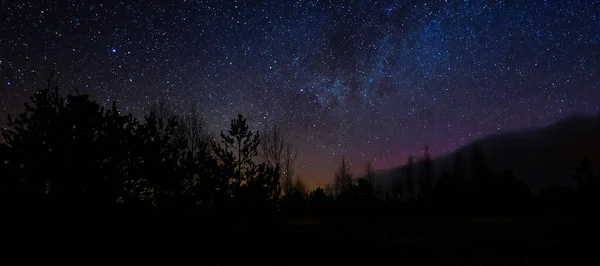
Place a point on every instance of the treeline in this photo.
(74, 154)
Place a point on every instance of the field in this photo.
(312, 241)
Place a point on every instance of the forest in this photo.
(67, 156)
(73, 153)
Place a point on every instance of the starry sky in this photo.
(374, 80)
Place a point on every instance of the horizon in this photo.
(276, 132)
(358, 170)
(374, 81)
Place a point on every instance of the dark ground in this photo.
(175, 240)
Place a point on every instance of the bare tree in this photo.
(289, 161)
(272, 147)
(343, 178)
(280, 155)
(196, 133)
(199, 183)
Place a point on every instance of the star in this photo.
(364, 79)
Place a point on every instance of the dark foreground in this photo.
(170, 240)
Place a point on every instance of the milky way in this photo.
(374, 80)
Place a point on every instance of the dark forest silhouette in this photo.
(74, 153)
(71, 154)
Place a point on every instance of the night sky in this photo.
(375, 80)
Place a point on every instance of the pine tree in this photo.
(235, 152)
(69, 152)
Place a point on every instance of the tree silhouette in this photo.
(479, 166)
(445, 192)
(329, 191)
(272, 153)
(279, 155)
(295, 199)
(289, 161)
(235, 153)
(481, 188)
(449, 191)
(458, 168)
(12, 188)
(163, 150)
(397, 187)
(299, 186)
(318, 199)
(318, 195)
(199, 165)
(426, 180)
(365, 191)
(342, 178)
(246, 181)
(369, 173)
(410, 184)
(117, 146)
(74, 153)
(584, 173)
(587, 184)
(68, 152)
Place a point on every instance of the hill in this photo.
(539, 156)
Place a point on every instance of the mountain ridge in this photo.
(539, 156)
